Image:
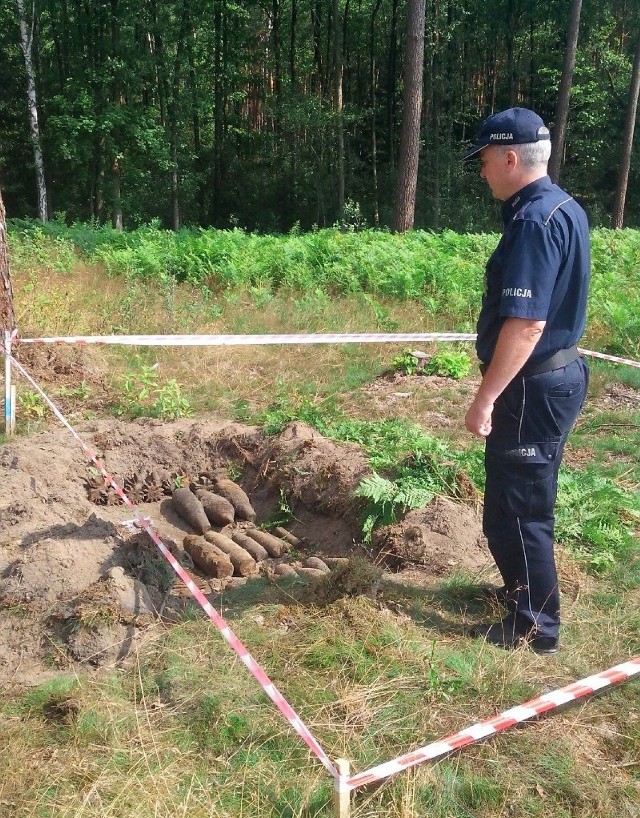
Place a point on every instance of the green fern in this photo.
(387, 497)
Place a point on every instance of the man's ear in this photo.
(512, 160)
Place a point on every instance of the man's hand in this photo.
(478, 418)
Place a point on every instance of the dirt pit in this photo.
(79, 582)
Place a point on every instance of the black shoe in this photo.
(507, 635)
(500, 595)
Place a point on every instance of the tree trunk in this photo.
(564, 91)
(195, 119)
(316, 29)
(218, 104)
(292, 45)
(337, 90)
(391, 83)
(407, 179)
(7, 317)
(513, 30)
(435, 106)
(26, 43)
(617, 217)
(374, 137)
(117, 220)
(173, 116)
(277, 65)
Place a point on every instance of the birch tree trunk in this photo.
(26, 43)
(617, 217)
(407, 180)
(176, 219)
(117, 219)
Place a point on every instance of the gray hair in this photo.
(531, 154)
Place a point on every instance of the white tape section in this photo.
(302, 338)
(253, 340)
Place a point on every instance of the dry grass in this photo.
(185, 731)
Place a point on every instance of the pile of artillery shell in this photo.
(237, 497)
(243, 563)
(207, 558)
(217, 508)
(274, 546)
(139, 488)
(250, 545)
(190, 509)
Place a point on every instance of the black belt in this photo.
(563, 357)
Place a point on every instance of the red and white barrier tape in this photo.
(245, 657)
(263, 340)
(252, 340)
(503, 721)
(470, 735)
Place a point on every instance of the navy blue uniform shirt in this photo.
(539, 270)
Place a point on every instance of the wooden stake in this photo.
(342, 797)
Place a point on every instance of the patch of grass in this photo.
(187, 729)
(35, 700)
(460, 792)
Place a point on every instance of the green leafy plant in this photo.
(143, 395)
(80, 392)
(234, 471)
(406, 362)
(32, 405)
(282, 514)
(169, 401)
(386, 497)
(449, 363)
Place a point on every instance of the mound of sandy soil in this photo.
(317, 472)
(79, 584)
(443, 537)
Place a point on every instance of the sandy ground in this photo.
(79, 584)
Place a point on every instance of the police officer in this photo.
(534, 381)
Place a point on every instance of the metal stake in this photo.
(9, 412)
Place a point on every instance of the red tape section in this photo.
(252, 666)
(503, 721)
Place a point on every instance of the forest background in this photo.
(274, 115)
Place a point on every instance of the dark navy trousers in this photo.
(530, 424)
